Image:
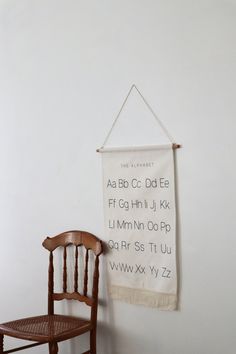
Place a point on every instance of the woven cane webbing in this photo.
(46, 325)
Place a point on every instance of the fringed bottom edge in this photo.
(144, 297)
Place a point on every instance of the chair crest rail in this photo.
(77, 238)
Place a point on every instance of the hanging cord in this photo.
(150, 109)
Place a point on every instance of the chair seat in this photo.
(46, 328)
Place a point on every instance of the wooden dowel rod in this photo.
(174, 146)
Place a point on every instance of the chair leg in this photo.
(53, 348)
(1, 343)
(93, 346)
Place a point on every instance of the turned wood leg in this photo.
(93, 335)
(1, 343)
(53, 348)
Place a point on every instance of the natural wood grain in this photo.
(50, 285)
(86, 273)
(73, 296)
(1, 343)
(76, 238)
(64, 270)
(76, 273)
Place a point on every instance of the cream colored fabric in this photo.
(140, 225)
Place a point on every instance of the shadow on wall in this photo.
(105, 341)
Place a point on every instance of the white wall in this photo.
(65, 66)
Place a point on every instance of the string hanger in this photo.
(175, 146)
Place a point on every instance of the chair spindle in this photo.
(1, 343)
(76, 270)
(65, 271)
(86, 273)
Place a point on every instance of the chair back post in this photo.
(50, 285)
(95, 290)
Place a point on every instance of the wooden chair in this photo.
(53, 328)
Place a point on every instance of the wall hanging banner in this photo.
(140, 224)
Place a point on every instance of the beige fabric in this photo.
(144, 297)
(140, 225)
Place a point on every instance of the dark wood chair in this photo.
(53, 328)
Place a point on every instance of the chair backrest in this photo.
(78, 239)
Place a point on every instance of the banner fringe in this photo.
(162, 301)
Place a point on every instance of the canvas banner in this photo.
(140, 225)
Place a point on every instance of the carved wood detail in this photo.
(64, 270)
(86, 273)
(76, 270)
